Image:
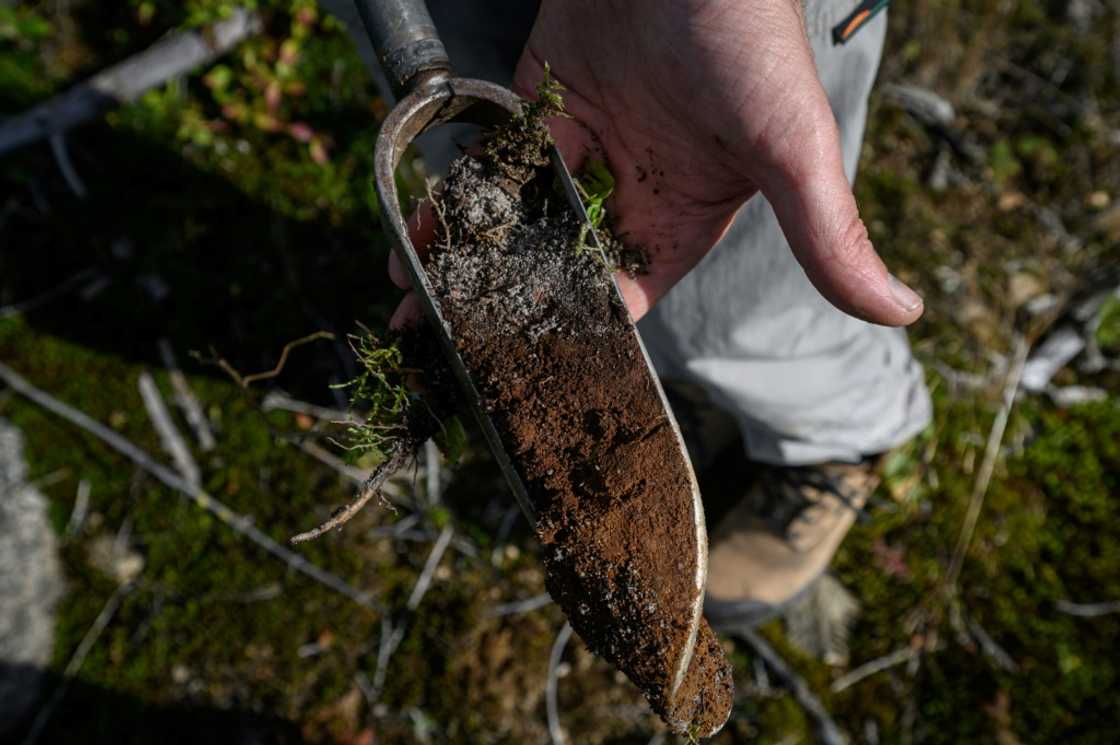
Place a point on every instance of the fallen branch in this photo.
(519, 607)
(18, 309)
(275, 400)
(240, 523)
(392, 634)
(987, 466)
(172, 56)
(391, 638)
(551, 691)
(432, 468)
(186, 399)
(168, 434)
(327, 458)
(74, 666)
(990, 647)
(874, 667)
(1088, 610)
(66, 166)
(827, 731)
(434, 558)
(81, 509)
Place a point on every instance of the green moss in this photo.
(1108, 332)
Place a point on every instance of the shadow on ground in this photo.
(92, 714)
(161, 249)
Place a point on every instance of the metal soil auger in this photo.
(419, 71)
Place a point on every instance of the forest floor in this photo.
(230, 212)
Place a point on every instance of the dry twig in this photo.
(519, 607)
(392, 634)
(168, 434)
(186, 399)
(551, 691)
(1088, 610)
(827, 731)
(246, 380)
(878, 665)
(987, 466)
(76, 661)
(81, 509)
(424, 581)
(432, 468)
(275, 400)
(174, 55)
(240, 523)
(17, 309)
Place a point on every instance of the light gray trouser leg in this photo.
(805, 382)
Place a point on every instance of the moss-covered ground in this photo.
(231, 211)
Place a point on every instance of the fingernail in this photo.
(904, 296)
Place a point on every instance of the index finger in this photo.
(421, 231)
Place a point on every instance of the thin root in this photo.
(246, 380)
(370, 489)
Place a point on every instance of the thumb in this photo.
(813, 201)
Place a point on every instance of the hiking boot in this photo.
(782, 536)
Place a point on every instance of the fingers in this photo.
(814, 203)
(407, 313)
(422, 231)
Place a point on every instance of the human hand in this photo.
(697, 105)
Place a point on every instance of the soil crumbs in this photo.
(539, 326)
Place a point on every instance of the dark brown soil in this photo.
(552, 352)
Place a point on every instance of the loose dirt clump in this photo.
(551, 350)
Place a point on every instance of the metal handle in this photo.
(406, 41)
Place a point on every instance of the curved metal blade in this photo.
(482, 102)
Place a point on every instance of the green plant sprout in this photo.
(595, 184)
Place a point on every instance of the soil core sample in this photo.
(553, 354)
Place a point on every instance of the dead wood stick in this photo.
(239, 523)
(186, 399)
(434, 558)
(987, 466)
(878, 665)
(392, 633)
(391, 637)
(519, 607)
(352, 473)
(76, 661)
(275, 400)
(81, 509)
(1088, 610)
(17, 309)
(327, 458)
(827, 731)
(432, 471)
(168, 434)
(552, 688)
(66, 166)
(170, 57)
